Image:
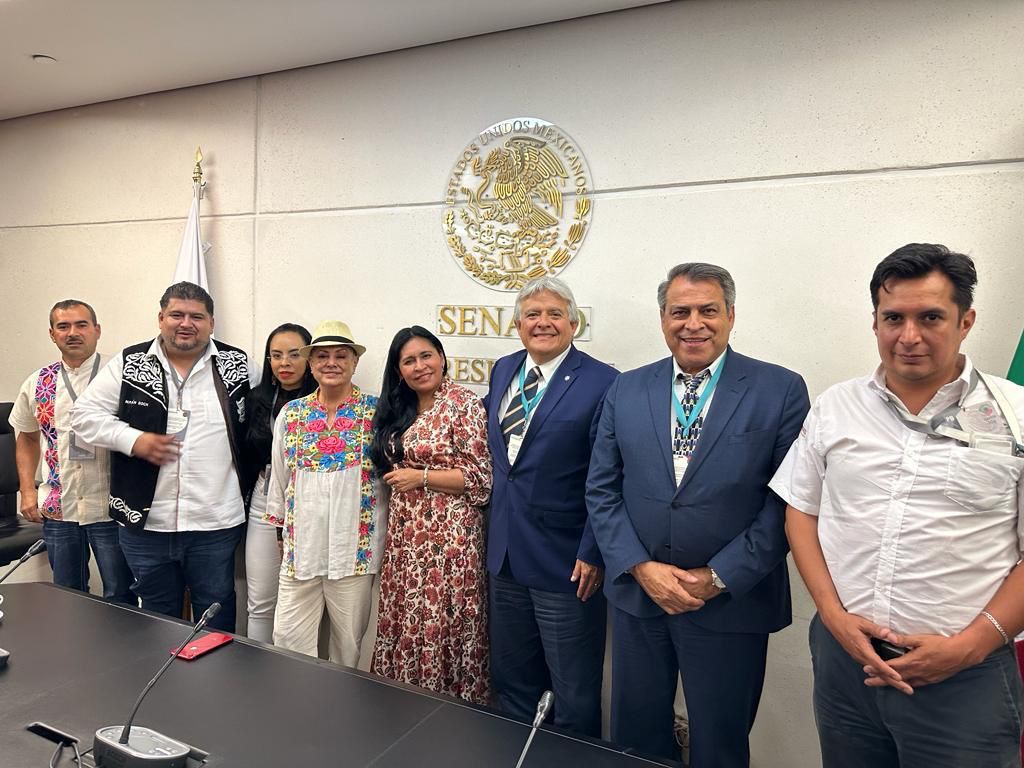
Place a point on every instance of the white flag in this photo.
(192, 256)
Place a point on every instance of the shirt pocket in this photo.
(982, 481)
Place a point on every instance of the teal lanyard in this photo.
(528, 405)
(687, 421)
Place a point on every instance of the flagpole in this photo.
(191, 264)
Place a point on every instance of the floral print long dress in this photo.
(432, 622)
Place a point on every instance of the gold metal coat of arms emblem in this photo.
(518, 203)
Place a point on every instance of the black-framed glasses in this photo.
(292, 356)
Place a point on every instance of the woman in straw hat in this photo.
(430, 445)
(323, 494)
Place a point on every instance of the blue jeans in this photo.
(67, 547)
(970, 719)
(165, 564)
(542, 640)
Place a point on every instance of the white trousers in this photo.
(262, 566)
(300, 605)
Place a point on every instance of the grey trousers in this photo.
(970, 720)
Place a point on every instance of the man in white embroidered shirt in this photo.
(72, 502)
(172, 411)
(905, 490)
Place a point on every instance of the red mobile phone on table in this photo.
(203, 645)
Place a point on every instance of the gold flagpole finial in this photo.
(197, 173)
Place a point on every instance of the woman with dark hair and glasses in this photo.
(285, 377)
(430, 446)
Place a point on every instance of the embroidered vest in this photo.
(46, 401)
(143, 405)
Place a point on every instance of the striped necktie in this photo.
(683, 444)
(514, 420)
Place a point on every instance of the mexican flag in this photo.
(1016, 374)
(191, 264)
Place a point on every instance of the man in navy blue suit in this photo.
(547, 615)
(693, 540)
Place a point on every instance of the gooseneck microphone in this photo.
(35, 549)
(543, 707)
(137, 747)
(207, 615)
(32, 551)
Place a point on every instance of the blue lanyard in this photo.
(528, 405)
(687, 421)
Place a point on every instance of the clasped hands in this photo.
(931, 658)
(675, 590)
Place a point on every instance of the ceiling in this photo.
(111, 49)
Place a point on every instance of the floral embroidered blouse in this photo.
(322, 490)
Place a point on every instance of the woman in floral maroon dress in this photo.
(430, 446)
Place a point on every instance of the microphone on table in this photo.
(35, 549)
(543, 707)
(32, 551)
(140, 747)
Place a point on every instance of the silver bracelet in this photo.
(998, 626)
(424, 477)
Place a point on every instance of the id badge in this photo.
(1001, 444)
(177, 423)
(79, 450)
(515, 442)
(679, 465)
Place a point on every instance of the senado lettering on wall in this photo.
(517, 203)
(492, 322)
(471, 370)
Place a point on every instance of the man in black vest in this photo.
(172, 413)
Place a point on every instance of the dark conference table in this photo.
(78, 663)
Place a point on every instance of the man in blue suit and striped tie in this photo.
(693, 540)
(547, 615)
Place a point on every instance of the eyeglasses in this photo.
(292, 356)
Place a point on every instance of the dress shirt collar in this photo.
(157, 349)
(86, 365)
(677, 371)
(547, 370)
(954, 391)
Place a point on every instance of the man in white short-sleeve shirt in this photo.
(905, 493)
(71, 503)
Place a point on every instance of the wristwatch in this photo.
(716, 580)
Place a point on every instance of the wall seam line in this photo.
(813, 176)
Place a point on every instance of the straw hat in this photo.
(332, 333)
